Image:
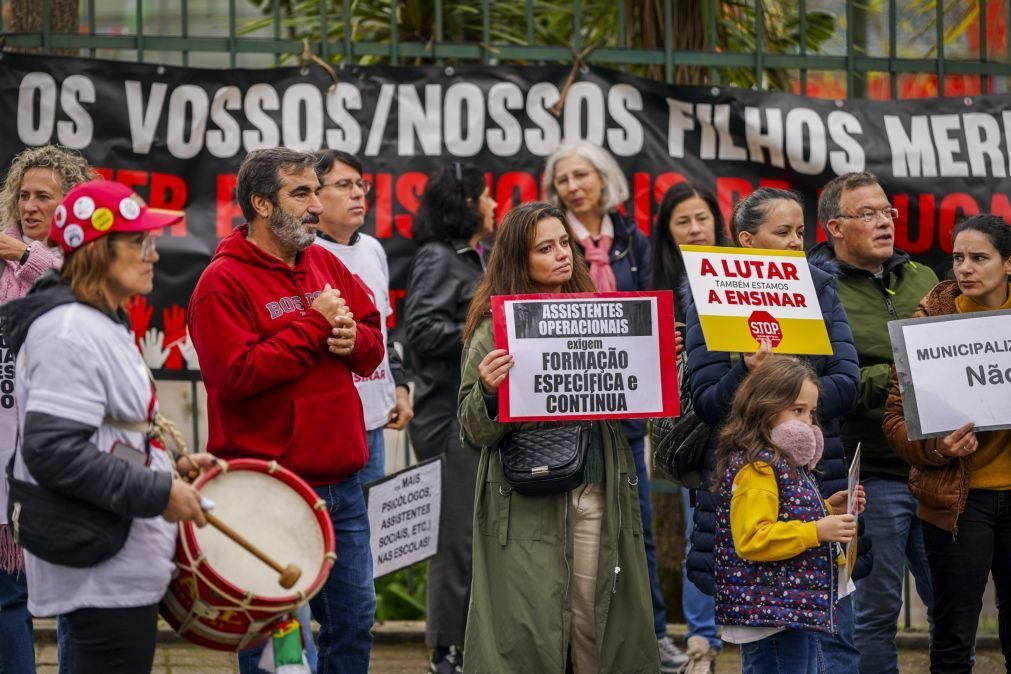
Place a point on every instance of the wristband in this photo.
(24, 256)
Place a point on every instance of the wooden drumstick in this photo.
(289, 574)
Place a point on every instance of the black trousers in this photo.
(113, 640)
(959, 568)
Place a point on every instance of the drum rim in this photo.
(188, 531)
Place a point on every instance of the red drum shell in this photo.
(216, 608)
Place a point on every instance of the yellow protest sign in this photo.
(746, 294)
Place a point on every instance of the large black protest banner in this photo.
(178, 135)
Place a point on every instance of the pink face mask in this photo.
(801, 443)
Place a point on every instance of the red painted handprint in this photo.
(175, 334)
(140, 313)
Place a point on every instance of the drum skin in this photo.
(222, 596)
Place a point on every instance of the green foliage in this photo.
(401, 595)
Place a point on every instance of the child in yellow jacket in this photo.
(776, 539)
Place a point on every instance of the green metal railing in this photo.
(855, 63)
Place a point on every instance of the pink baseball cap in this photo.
(99, 207)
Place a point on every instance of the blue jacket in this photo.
(714, 378)
(632, 265)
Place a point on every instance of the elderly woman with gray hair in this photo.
(35, 184)
(586, 182)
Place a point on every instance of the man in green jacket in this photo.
(877, 283)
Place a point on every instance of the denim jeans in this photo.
(376, 467)
(346, 606)
(839, 652)
(699, 608)
(786, 652)
(896, 537)
(960, 566)
(63, 645)
(638, 446)
(17, 649)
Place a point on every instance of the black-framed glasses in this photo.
(344, 185)
(870, 215)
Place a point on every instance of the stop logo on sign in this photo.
(764, 326)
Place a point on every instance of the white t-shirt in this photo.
(80, 364)
(366, 260)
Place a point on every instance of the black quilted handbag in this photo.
(543, 461)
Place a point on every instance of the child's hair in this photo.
(762, 395)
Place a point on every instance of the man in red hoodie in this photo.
(279, 326)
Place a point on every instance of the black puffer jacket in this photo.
(441, 284)
(715, 377)
(59, 452)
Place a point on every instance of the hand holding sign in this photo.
(755, 360)
(960, 442)
(493, 369)
(839, 501)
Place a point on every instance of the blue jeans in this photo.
(376, 467)
(638, 446)
(17, 649)
(896, 537)
(786, 652)
(699, 608)
(346, 606)
(839, 651)
(63, 645)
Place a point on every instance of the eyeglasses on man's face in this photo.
(870, 215)
(345, 185)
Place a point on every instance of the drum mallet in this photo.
(289, 574)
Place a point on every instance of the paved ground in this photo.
(399, 651)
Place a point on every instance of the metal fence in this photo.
(892, 40)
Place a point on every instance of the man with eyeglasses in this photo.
(877, 283)
(282, 328)
(385, 396)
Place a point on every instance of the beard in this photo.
(291, 230)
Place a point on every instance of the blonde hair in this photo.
(69, 166)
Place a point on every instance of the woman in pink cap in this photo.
(86, 405)
(35, 183)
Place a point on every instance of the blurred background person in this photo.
(536, 552)
(35, 184)
(586, 182)
(689, 215)
(962, 481)
(454, 217)
(773, 219)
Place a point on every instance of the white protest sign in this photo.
(587, 356)
(953, 369)
(404, 513)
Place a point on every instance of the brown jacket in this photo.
(940, 484)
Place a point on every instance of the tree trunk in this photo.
(646, 23)
(64, 17)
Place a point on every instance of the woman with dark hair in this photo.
(559, 577)
(455, 215)
(689, 215)
(961, 481)
(86, 406)
(773, 219)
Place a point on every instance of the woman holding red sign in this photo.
(565, 572)
(773, 219)
(961, 481)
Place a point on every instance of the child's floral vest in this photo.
(796, 593)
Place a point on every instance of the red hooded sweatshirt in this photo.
(274, 390)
